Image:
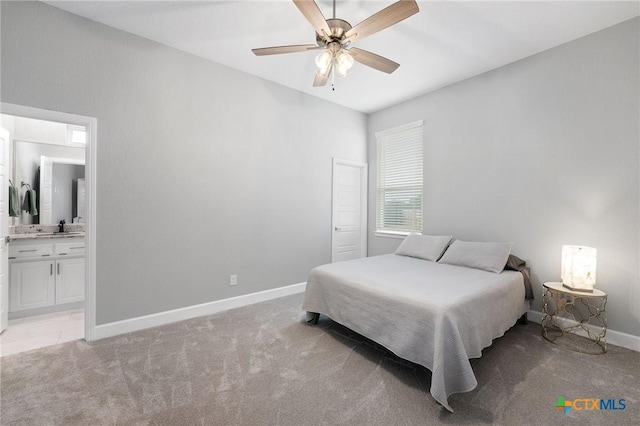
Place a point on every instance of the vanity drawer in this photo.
(70, 249)
(22, 251)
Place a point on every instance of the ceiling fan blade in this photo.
(385, 18)
(277, 50)
(312, 12)
(321, 79)
(374, 61)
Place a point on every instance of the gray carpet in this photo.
(263, 365)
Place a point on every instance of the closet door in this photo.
(349, 210)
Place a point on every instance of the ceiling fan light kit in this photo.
(334, 37)
(336, 59)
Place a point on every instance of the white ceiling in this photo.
(447, 41)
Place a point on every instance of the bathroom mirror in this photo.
(61, 190)
(56, 173)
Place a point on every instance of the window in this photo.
(399, 184)
(76, 135)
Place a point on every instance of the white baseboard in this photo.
(154, 320)
(613, 337)
(161, 318)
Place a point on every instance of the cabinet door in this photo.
(32, 285)
(69, 280)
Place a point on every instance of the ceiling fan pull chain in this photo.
(333, 78)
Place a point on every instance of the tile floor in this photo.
(35, 332)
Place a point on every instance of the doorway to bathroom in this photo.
(48, 291)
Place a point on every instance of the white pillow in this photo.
(426, 247)
(486, 256)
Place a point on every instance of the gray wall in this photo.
(542, 152)
(202, 171)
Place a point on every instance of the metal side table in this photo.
(574, 320)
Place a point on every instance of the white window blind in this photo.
(399, 182)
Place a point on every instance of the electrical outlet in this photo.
(233, 280)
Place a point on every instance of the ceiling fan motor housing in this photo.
(338, 29)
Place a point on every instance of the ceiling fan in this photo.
(334, 36)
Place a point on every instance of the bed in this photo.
(434, 314)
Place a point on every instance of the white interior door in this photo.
(4, 224)
(45, 210)
(349, 210)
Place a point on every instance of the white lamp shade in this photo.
(323, 61)
(579, 267)
(344, 62)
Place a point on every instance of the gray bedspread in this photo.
(435, 315)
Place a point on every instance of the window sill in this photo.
(391, 234)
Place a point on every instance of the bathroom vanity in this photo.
(46, 272)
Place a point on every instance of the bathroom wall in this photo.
(42, 131)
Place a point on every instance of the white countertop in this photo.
(43, 236)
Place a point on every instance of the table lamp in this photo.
(579, 268)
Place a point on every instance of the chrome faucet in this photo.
(61, 226)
